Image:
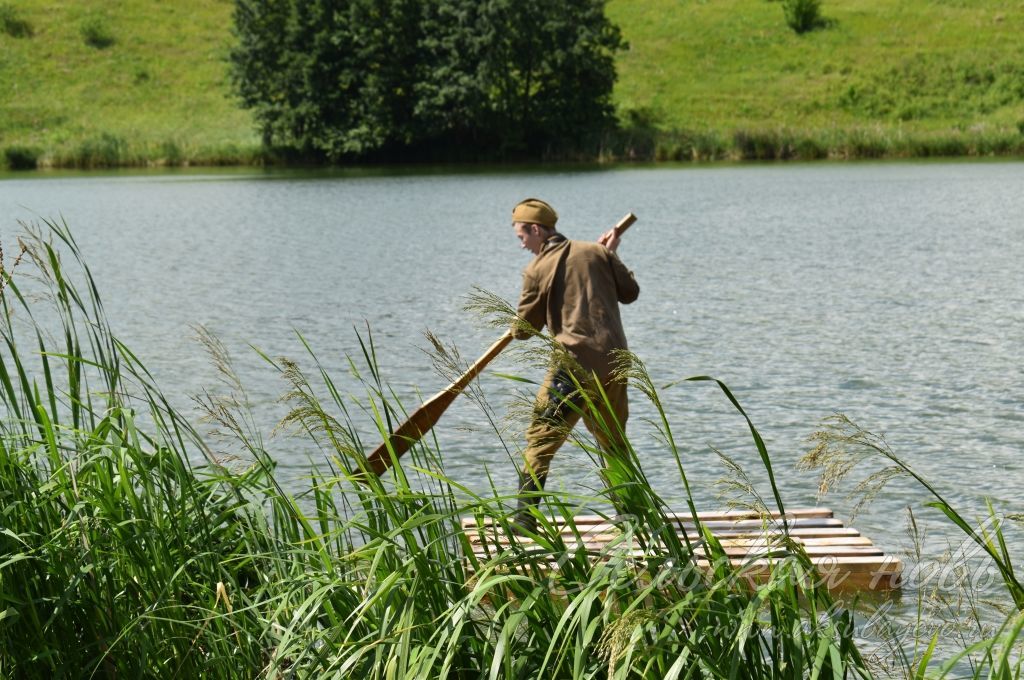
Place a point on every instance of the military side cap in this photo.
(535, 211)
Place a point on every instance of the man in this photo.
(574, 288)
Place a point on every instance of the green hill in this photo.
(145, 81)
(891, 77)
(160, 92)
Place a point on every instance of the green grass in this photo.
(129, 548)
(921, 77)
(920, 65)
(158, 93)
(909, 79)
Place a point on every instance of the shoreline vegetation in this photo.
(137, 541)
(149, 85)
(640, 145)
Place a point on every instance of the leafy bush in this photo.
(762, 145)
(802, 15)
(96, 33)
(926, 146)
(170, 153)
(364, 78)
(810, 148)
(105, 151)
(13, 24)
(21, 157)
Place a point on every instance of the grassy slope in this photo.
(895, 66)
(730, 64)
(162, 85)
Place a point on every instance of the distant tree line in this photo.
(465, 79)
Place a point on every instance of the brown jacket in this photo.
(574, 288)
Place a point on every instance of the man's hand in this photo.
(609, 240)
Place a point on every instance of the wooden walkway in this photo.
(844, 558)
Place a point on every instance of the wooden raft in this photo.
(844, 559)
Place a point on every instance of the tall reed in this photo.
(129, 548)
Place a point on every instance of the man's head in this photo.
(533, 221)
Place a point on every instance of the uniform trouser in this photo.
(558, 408)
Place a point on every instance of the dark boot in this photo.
(525, 520)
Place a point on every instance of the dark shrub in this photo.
(802, 15)
(808, 149)
(96, 34)
(762, 145)
(105, 151)
(21, 158)
(12, 24)
(171, 153)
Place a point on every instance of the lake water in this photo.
(892, 293)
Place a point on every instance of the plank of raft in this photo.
(722, 515)
(874, 573)
(756, 523)
(750, 543)
(824, 536)
(877, 571)
(714, 525)
(801, 532)
(751, 514)
(582, 521)
(851, 563)
(598, 541)
(806, 541)
(824, 555)
(717, 524)
(834, 540)
(832, 529)
(873, 564)
(819, 541)
(812, 551)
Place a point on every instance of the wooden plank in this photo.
(632, 548)
(585, 521)
(875, 573)
(810, 527)
(884, 563)
(812, 551)
(797, 523)
(821, 545)
(739, 555)
(837, 537)
(800, 532)
(723, 515)
(826, 541)
(713, 525)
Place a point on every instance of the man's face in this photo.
(530, 236)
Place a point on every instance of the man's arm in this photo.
(532, 308)
(625, 283)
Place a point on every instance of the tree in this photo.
(355, 78)
(327, 76)
(550, 67)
